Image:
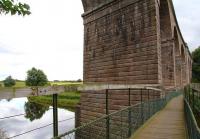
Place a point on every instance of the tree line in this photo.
(196, 65)
(35, 77)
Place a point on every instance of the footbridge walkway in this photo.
(174, 116)
(156, 115)
(169, 123)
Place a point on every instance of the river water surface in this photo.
(34, 121)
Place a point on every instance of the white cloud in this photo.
(187, 12)
(51, 38)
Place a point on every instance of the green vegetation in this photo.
(17, 84)
(20, 83)
(34, 110)
(36, 77)
(65, 83)
(1, 84)
(9, 82)
(10, 6)
(65, 100)
(196, 66)
(3, 134)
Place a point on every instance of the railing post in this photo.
(187, 90)
(141, 105)
(189, 97)
(192, 99)
(148, 105)
(129, 113)
(107, 120)
(153, 105)
(55, 115)
(184, 91)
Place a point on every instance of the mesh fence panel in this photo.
(121, 124)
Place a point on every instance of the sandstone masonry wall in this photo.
(120, 43)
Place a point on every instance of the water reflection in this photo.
(34, 111)
(38, 116)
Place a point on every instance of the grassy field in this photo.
(18, 84)
(67, 100)
(65, 83)
(22, 83)
(1, 84)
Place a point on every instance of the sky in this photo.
(51, 38)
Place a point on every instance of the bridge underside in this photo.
(130, 42)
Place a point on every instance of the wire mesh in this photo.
(192, 108)
(121, 124)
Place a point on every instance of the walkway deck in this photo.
(167, 124)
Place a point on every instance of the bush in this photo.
(36, 77)
(196, 65)
(79, 80)
(9, 82)
(3, 134)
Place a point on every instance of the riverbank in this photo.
(66, 100)
(22, 83)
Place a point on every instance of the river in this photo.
(31, 120)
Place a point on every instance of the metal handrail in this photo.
(192, 126)
(145, 110)
(190, 107)
(97, 120)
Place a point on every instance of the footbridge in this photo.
(135, 61)
(151, 113)
(137, 74)
(172, 116)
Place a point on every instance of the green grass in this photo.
(1, 84)
(67, 100)
(20, 84)
(65, 83)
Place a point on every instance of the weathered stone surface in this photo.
(120, 46)
(130, 42)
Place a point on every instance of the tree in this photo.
(34, 110)
(36, 77)
(9, 82)
(196, 65)
(3, 134)
(9, 6)
(79, 80)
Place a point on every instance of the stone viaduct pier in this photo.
(130, 44)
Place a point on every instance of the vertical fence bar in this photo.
(141, 99)
(154, 106)
(189, 97)
(107, 120)
(149, 115)
(129, 113)
(184, 91)
(188, 92)
(55, 115)
(121, 127)
(192, 99)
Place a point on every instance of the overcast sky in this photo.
(51, 38)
